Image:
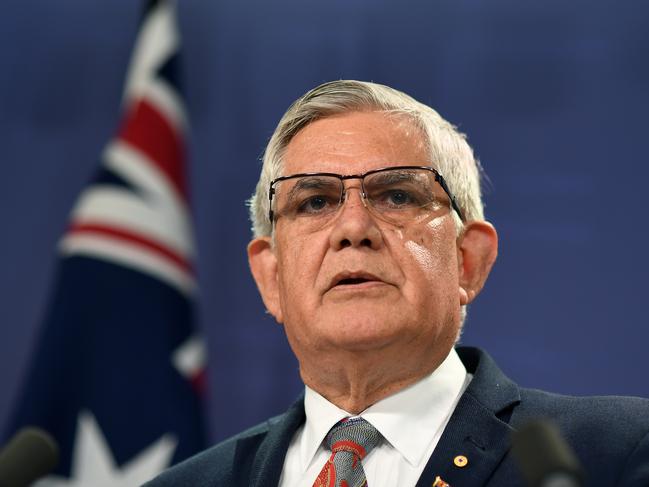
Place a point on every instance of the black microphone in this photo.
(544, 457)
(30, 454)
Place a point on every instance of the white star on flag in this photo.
(93, 462)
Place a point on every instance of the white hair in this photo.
(449, 152)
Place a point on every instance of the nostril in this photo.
(345, 242)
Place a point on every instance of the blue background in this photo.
(554, 96)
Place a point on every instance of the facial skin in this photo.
(357, 343)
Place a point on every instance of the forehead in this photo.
(355, 142)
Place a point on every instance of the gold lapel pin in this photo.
(439, 482)
(461, 461)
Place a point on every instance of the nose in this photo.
(354, 225)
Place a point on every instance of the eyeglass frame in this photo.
(438, 178)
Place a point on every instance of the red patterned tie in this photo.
(350, 441)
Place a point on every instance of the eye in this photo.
(314, 195)
(315, 204)
(397, 190)
(398, 197)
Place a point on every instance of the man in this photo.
(369, 243)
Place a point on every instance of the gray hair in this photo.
(448, 149)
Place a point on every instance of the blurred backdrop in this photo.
(553, 95)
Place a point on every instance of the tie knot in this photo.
(354, 435)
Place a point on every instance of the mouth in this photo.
(354, 280)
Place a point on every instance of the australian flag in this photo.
(118, 370)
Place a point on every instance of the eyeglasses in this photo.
(397, 195)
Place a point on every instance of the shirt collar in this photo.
(408, 420)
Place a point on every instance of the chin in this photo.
(359, 334)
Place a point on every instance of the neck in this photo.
(354, 381)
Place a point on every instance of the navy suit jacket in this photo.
(610, 436)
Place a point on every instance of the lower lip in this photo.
(360, 286)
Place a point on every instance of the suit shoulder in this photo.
(609, 434)
(625, 411)
(613, 423)
(213, 466)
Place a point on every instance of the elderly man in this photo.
(369, 243)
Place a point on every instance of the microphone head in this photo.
(544, 457)
(30, 454)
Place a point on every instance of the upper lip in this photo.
(352, 275)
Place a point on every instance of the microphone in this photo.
(30, 454)
(544, 457)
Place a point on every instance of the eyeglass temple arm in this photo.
(454, 204)
(271, 214)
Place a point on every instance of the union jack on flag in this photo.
(118, 369)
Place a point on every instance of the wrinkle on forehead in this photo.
(374, 138)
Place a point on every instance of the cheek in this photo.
(432, 259)
(299, 263)
(422, 256)
(428, 264)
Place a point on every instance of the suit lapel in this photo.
(268, 460)
(478, 428)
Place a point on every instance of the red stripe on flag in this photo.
(133, 238)
(199, 381)
(148, 130)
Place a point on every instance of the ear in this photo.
(263, 265)
(477, 251)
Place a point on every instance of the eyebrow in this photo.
(310, 182)
(394, 176)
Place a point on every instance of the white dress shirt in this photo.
(411, 422)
